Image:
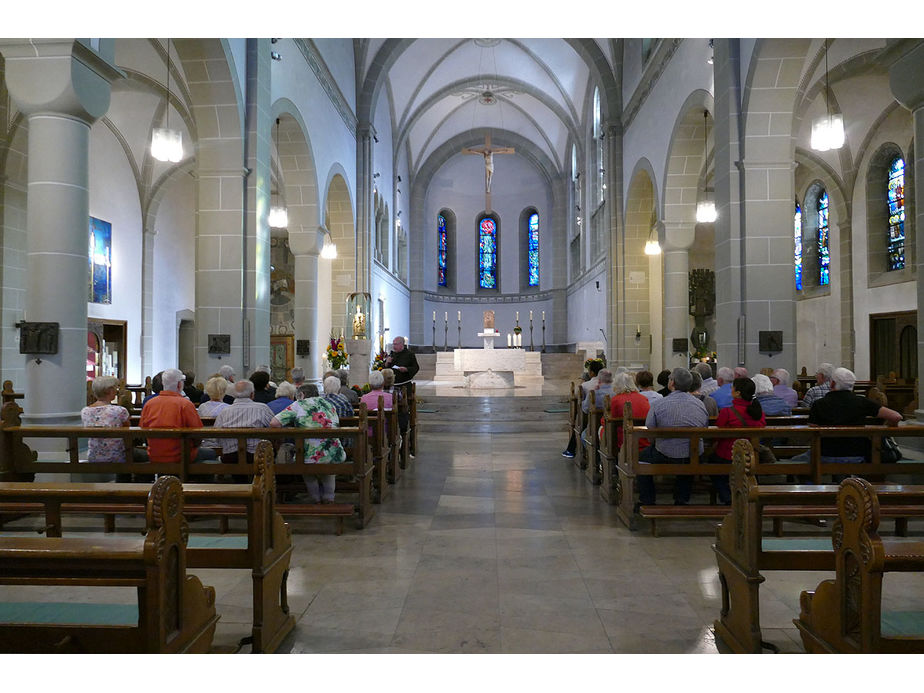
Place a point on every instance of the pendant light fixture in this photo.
(705, 210)
(166, 143)
(828, 129)
(278, 216)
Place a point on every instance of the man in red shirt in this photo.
(171, 409)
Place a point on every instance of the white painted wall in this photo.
(114, 198)
(587, 307)
(337, 54)
(174, 269)
(397, 302)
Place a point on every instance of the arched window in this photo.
(442, 250)
(797, 240)
(532, 249)
(896, 194)
(487, 253)
(599, 170)
(824, 256)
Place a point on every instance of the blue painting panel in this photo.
(100, 260)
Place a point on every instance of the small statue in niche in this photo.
(359, 324)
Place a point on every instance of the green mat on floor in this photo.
(421, 410)
(218, 541)
(69, 613)
(557, 410)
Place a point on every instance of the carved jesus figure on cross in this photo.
(488, 153)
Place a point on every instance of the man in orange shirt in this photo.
(171, 409)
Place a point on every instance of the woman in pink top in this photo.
(371, 398)
(745, 412)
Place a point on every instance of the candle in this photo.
(446, 316)
(543, 316)
(530, 316)
(434, 316)
(508, 340)
(518, 316)
(460, 316)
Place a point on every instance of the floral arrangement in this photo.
(378, 363)
(601, 360)
(361, 390)
(336, 353)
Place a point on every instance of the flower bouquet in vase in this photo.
(378, 363)
(336, 353)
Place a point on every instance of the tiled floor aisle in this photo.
(497, 544)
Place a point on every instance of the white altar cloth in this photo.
(469, 361)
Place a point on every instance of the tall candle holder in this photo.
(460, 334)
(446, 336)
(543, 334)
(434, 332)
(531, 347)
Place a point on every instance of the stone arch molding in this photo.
(685, 145)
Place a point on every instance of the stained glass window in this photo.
(897, 214)
(532, 249)
(797, 239)
(441, 255)
(487, 254)
(824, 257)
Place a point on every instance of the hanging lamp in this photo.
(705, 210)
(278, 216)
(166, 143)
(828, 129)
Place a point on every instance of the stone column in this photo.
(63, 87)
(617, 347)
(678, 237)
(306, 247)
(908, 89)
(364, 212)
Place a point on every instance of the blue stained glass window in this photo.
(441, 255)
(897, 214)
(487, 254)
(824, 257)
(797, 239)
(533, 249)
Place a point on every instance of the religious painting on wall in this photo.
(100, 258)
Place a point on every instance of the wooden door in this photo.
(282, 357)
(893, 345)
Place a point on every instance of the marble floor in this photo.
(494, 543)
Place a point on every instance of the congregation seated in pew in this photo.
(102, 413)
(244, 413)
(215, 390)
(170, 409)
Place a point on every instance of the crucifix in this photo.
(488, 153)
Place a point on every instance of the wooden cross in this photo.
(488, 153)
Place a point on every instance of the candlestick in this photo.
(446, 316)
(460, 316)
(531, 346)
(518, 316)
(543, 335)
(434, 316)
(530, 316)
(543, 316)
(508, 341)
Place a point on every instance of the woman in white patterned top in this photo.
(215, 388)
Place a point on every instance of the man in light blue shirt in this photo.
(679, 409)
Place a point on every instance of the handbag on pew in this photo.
(764, 454)
(889, 452)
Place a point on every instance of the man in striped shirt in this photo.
(823, 378)
(244, 413)
(678, 410)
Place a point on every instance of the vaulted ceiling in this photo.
(541, 89)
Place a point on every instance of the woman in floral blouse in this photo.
(103, 414)
(315, 412)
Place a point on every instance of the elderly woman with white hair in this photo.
(625, 389)
(285, 395)
(770, 402)
(782, 387)
(332, 395)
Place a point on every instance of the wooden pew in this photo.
(589, 442)
(743, 553)
(845, 615)
(265, 550)
(18, 461)
(629, 468)
(610, 488)
(174, 613)
(578, 422)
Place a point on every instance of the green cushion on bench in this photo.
(69, 613)
(899, 623)
(219, 541)
(789, 544)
